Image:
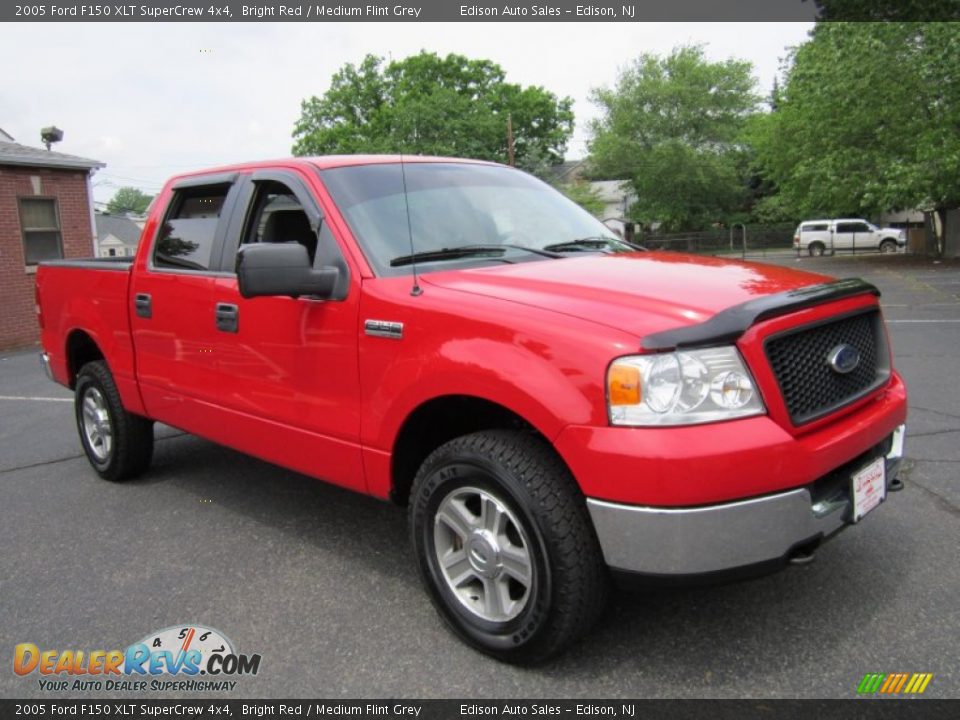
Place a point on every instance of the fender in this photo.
(548, 379)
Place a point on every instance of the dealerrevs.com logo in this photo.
(185, 658)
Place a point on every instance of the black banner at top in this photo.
(477, 10)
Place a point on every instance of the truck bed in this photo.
(88, 299)
(122, 264)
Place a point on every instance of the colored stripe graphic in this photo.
(889, 682)
(894, 683)
(870, 683)
(900, 683)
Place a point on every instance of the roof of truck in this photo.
(327, 162)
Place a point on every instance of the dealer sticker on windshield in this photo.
(869, 487)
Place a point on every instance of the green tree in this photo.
(672, 126)
(867, 121)
(432, 105)
(583, 194)
(864, 10)
(129, 200)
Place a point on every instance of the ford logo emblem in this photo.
(843, 359)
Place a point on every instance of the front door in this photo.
(853, 236)
(288, 366)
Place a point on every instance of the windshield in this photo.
(453, 205)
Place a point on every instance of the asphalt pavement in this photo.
(320, 581)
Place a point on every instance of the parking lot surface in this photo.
(321, 582)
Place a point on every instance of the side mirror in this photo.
(282, 269)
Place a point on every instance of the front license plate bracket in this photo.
(868, 488)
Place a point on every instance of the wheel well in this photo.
(438, 421)
(81, 349)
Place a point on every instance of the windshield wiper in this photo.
(456, 253)
(590, 243)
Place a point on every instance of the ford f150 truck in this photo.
(553, 405)
(819, 237)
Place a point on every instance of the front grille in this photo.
(810, 387)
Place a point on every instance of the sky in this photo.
(154, 100)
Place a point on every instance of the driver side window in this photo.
(278, 217)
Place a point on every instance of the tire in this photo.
(816, 249)
(118, 444)
(888, 246)
(505, 547)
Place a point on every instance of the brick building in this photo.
(45, 213)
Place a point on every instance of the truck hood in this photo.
(639, 293)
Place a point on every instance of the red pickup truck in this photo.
(555, 406)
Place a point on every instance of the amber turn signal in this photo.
(623, 385)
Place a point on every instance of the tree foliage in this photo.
(878, 10)
(584, 195)
(672, 126)
(129, 200)
(868, 120)
(427, 104)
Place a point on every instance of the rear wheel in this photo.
(117, 443)
(505, 547)
(816, 249)
(888, 246)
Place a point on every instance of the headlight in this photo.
(681, 388)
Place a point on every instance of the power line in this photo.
(142, 181)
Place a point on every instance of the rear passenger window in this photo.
(188, 231)
(817, 227)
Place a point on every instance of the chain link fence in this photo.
(737, 241)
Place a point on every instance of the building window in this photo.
(40, 224)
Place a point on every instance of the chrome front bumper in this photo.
(714, 538)
(45, 364)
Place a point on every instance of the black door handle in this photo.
(228, 317)
(143, 305)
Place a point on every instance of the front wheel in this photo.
(888, 246)
(118, 444)
(505, 547)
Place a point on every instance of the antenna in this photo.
(415, 290)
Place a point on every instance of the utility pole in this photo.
(510, 139)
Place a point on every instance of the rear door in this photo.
(288, 366)
(173, 311)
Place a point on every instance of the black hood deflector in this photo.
(728, 325)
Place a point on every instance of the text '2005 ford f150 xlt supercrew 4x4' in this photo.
(553, 405)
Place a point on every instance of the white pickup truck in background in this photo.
(819, 237)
